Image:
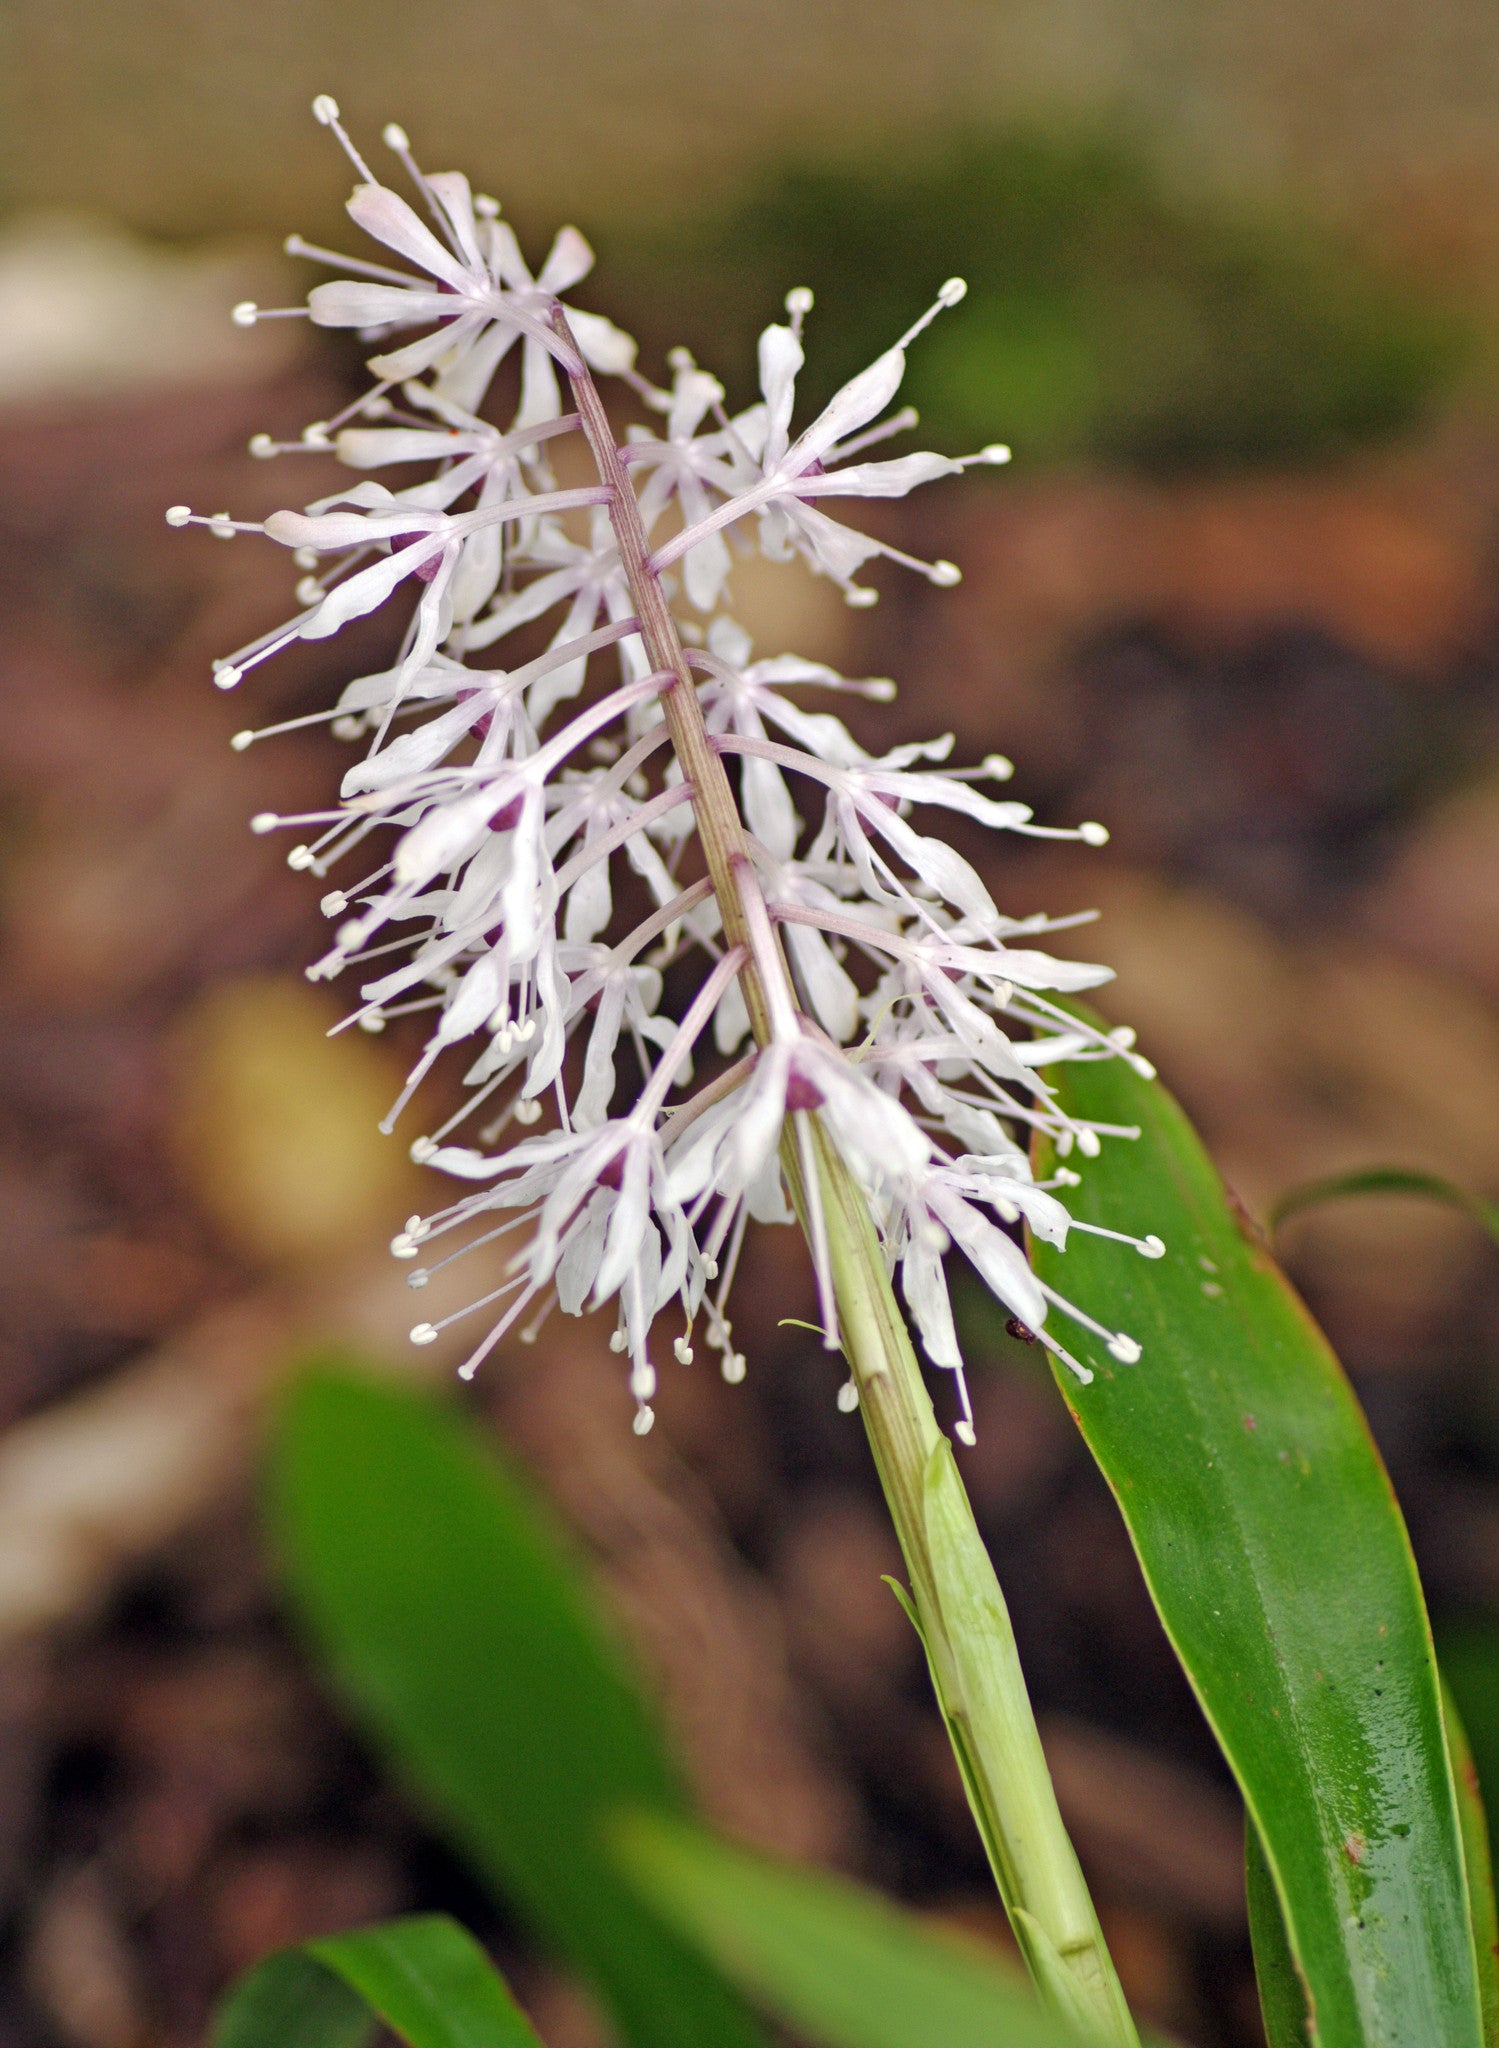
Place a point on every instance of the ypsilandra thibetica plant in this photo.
(707, 969)
(865, 1045)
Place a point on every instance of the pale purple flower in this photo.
(512, 806)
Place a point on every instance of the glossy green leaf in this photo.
(456, 1624)
(839, 1964)
(1468, 1653)
(1387, 1180)
(1483, 1909)
(424, 1977)
(1282, 1993)
(1277, 1557)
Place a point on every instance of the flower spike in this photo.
(858, 991)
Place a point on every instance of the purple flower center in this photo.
(802, 1093)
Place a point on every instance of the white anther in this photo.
(264, 821)
(964, 1433)
(308, 591)
(644, 1417)
(618, 1340)
(419, 1278)
(643, 1381)
(799, 300)
(998, 768)
(301, 858)
(860, 597)
(1093, 835)
(262, 447)
(734, 1367)
(221, 526)
(424, 1334)
(345, 728)
(325, 109)
(880, 690)
(245, 313)
(306, 558)
(334, 903)
(1152, 1247)
(680, 359)
(316, 435)
(848, 1398)
(1088, 1144)
(955, 289)
(403, 1245)
(372, 1022)
(945, 574)
(710, 1267)
(242, 740)
(179, 515)
(1125, 1349)
(997, 452)
(486, 207)
(377, 407)
(683, 1351)
(394, 136)
(423, 1149)
(528, 1110)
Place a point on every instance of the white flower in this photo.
(769, 473)
(477, 293)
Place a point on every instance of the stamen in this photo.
(950, 294)
(295, 246)
(395, 138)
(1151, 1247)
(798, 305)
(248, 314)
(325, 113)
(218, 523)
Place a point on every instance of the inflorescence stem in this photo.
(955, 1600)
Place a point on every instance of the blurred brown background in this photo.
(1234, 276)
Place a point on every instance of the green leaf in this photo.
(1282, 1993)
(456, 1624)
(1277, 1557)
(837, 1963)
(1468, 1653)
(290, 2001)
(1483, 1909)
(1387, 1180)
(427, 1979)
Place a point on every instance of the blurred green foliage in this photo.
(1108, 317)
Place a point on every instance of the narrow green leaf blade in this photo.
(427, 1979)
(290, 2001)
(1278, 1560)
(457, 1626)
(1483, 1909)
(1387, 1180)
(836, 1962)
(1282, 1993)
(430, 1981)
